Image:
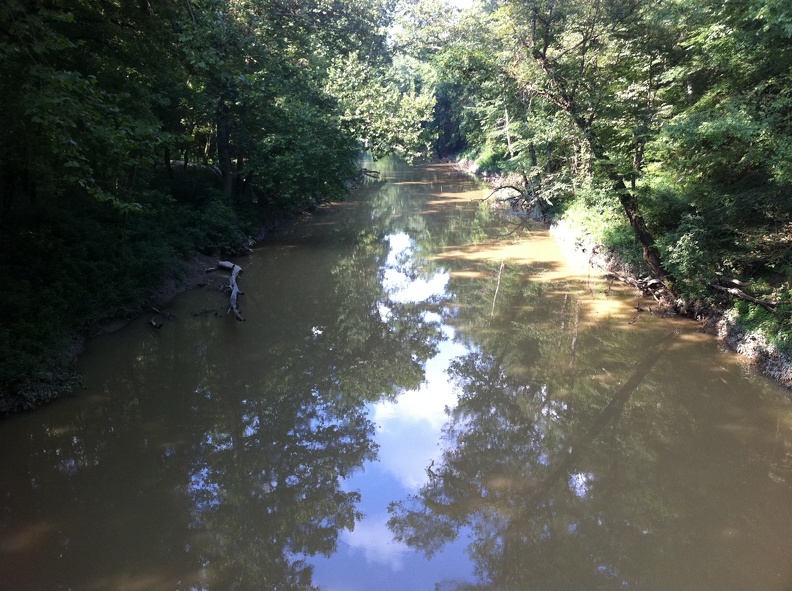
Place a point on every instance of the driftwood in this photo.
(649, 286)
(372, 174)
(158, 321)
(232, 284)
(725, 281)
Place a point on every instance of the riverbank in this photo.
(722, 322)
(90, 274)
(57, 377)
(73, 271)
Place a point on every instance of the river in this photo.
(425, 395)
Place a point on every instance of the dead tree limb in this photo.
(738, 293)
(232, 284)
(526, 197)
(732, 281)
(372, 174)
(501, 188)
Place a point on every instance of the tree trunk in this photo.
(629, 203)
(563, 97)
(168, 166)
(651, 254)
(224, 147)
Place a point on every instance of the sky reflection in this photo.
(408, 432)
(408, 429)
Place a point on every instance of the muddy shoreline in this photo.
(59, 377)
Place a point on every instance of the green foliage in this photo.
(98, 96)
(137, 133)
(489, 160)
(682, 107)
(388, 109)
(595, 214)
(776, 327)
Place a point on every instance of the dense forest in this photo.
(140, 133)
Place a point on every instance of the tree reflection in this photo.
(536, 457)
(572, 459)
(266, 481)
(256, 427)
(536, 496)
(214, 453)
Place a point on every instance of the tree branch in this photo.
(736, 292)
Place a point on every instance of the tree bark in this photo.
(736, 292)
(632, 210)
(651, 254)
(168, 166)
(224, 147)
(627, 198)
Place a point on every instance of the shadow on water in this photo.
(516, 409)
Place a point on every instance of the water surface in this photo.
(424, 395)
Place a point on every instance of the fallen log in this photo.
(726, 281)
(372, 174)
(232, 283)
(504, 187)
(521, 199)
(769, 306)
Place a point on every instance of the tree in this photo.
(81, 100)
(104, 98)
(388, 108)
(723, 154)
(597, 64)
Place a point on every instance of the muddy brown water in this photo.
(424, 395)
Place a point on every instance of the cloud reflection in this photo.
(408, 429)
(400, 279)
(375, 540)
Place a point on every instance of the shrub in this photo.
(597, 213)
